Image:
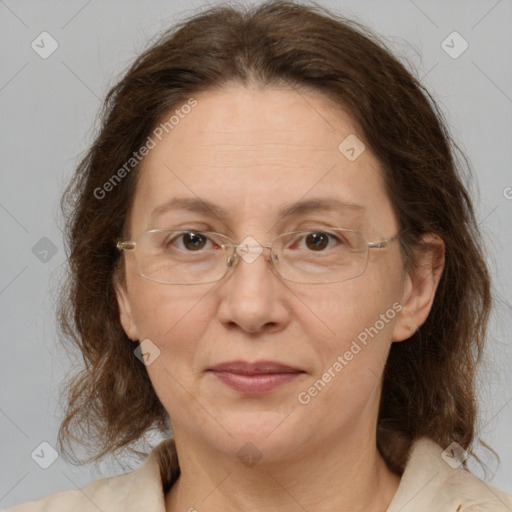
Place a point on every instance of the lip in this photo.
(255, 378)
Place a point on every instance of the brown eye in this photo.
(193, 241)
(187, 241)
(317, 241)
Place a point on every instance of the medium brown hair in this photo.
(428, 382)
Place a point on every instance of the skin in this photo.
(251, 150)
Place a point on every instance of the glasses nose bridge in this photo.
(232, 260)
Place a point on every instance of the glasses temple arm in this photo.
(125, 246)
(383, 243)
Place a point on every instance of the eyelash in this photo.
(331, 236)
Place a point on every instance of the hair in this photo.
(428, 386)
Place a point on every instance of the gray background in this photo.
(48, 109)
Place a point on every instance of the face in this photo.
(251, 152)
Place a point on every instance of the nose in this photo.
(253, 296)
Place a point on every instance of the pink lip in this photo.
(255, 378)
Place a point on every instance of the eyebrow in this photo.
(203, 206)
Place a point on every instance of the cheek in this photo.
(349, 308)
(172, 317)
(359, 316)
(175, 320)
(351, 360)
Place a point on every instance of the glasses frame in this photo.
(130, 245)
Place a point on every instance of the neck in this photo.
(342, 476)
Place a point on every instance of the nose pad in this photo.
(231, 261)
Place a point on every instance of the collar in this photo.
(435, 482)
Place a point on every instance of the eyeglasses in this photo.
(172, 256)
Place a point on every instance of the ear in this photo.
(125, 311)
(420, 285)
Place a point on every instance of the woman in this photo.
(273, 254)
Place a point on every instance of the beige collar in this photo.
(428, 484)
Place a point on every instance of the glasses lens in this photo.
(182, 257)
(322, 256)
(195, 257)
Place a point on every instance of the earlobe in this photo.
(420, 286)
(125, 312)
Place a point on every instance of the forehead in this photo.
(254, 150)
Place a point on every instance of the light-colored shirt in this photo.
(431, 482)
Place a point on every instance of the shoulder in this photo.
(434, 480)
(140, 489)
(98, 494)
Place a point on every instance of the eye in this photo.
(190, 241)
(318, 240)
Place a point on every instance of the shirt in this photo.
(429, 483)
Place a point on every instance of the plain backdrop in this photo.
(48, 111)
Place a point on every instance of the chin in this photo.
(261, 432)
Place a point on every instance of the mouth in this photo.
(255, 378)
